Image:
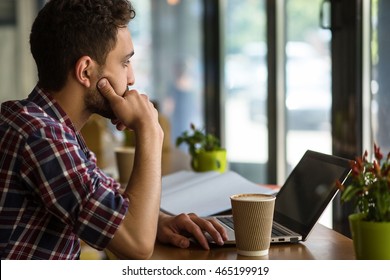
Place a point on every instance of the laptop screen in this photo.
(308, 190)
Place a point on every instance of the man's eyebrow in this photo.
(129, 55)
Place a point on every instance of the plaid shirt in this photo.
(52, 193)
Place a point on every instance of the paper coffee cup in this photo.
(125, 161)
(252, 217)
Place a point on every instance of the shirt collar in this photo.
(51, 107)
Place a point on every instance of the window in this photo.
(308, 97)
(308, 84)
(168, 61)
(17, 69)
(8, 34)
(245, 87)
(380, 83)
(308, 81)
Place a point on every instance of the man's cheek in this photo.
(119, 88)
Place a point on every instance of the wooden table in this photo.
(322, 244)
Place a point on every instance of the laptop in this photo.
(308, 190)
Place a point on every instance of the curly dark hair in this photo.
(66, 30)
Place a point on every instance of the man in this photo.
(52, 192)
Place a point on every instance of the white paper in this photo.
(204, 193)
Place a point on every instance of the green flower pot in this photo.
(208, 161)
(371, 239)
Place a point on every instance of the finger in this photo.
(120, 126)
(179, 241)
(171, 234)
(196, 231)
(114, 121)
(201, 238)
(106, 90)
(144, 96)
(213, 228)
(222, 231)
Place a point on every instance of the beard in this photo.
(96, 103)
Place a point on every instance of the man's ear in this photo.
(83, 70)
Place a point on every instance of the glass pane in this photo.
(17, 70)
(244, 33)
(168, 60)
(8, 49)
(8, 70)
(308, 84)
(380, 84)
(308, 81)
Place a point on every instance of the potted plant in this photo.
(368, 186)
(205, 150)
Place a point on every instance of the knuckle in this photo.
(192, 215)
(183, 216)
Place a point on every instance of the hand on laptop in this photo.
(176, 230)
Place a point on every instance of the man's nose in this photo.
(130, 77)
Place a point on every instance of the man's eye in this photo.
(127, 62)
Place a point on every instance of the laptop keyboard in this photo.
(277, 232)
(229, 222)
